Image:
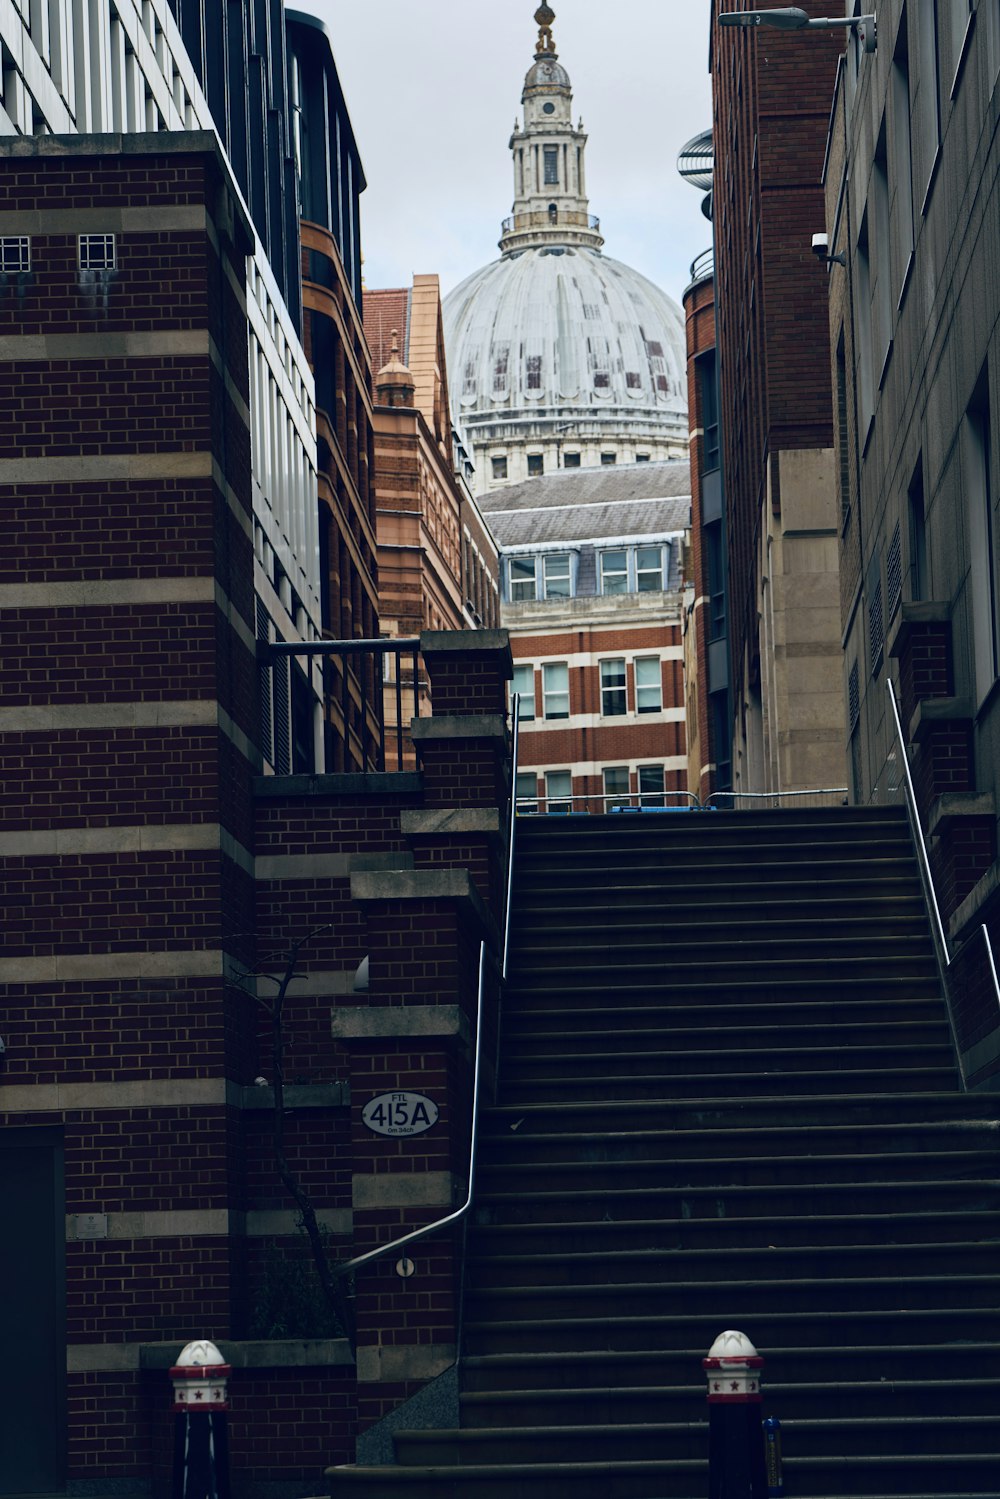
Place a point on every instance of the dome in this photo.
(565, 333)
(547, 74)
(558, 356)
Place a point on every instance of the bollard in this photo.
(201, 1442)
(772, 1457)
(735, 1442)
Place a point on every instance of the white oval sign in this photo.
(399, 1114)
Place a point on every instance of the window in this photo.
(843, 460)
(882, 289)
(642, 457)
(15, 254)
(97, 252)
(614, 700)
(976, 465)
(876, 621)
(533, 370)
(536, 464)
(521, 575)
(555, 573)
(550, 156)
(919, 579)
(525, 791)
(499, 462)
(708, 395)
(649, 569)
(555, 690)
(902, 153)
(571, 460)
(608, 459)
(558, 789)
(614, 572)
(651, 781)
(894, 572)
(648, 684)
(615, 785)
(523, 682)
(928, 105)
(863, 332)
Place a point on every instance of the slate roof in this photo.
(635, 499)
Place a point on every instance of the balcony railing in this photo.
(703, 266)
(363, 677)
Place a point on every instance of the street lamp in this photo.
(792, 18)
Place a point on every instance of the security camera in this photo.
(821, 249)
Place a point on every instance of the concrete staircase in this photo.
(728, 1100)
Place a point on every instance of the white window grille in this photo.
(555, 571)
(15, 254)
(98, 252)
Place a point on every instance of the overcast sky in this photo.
(433, 87)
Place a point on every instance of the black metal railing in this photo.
(360, 676)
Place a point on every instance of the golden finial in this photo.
(546, 47)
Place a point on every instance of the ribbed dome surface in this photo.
(565, 332)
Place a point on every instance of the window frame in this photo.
(623, 572)
(558, 803)
(523, 582)
(527, 714)
(547, 591)
(646, 687)
(549, 692)
(611, 690)
(657, 796)
(639, 571)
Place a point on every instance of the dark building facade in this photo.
(913, 209)
(771, 98)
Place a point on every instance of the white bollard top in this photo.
(201, 1351)
(729, 1344)
(200, 1377)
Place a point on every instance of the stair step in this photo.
(751, 1085)
(688, 1441)
(953, 1224)
(874, 1110)
(679, 1366)
(600, 1029)
(753, 1297)
(821, 1329)
(540, 1406)
(763, 1061)
(956, 1475)
(490, 1269)
(509, 1148)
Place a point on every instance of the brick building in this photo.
(913, 210)
(771, 98)
(591, 575)
(330, 181)
(160, 472)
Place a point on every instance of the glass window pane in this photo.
(616, 788)
(555, 690)
(522, 579)
(613, 696)
(558, 789)
(649, 569)
(557, 577)
(523, 681)
(614, 572)
(525, 791)
(648, 684)
(651, 786)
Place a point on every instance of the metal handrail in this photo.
(515, 714)
(918, 836)
(414, 1235)
(927, 880)
(633, 800)
(772, 796)
(380, 1250)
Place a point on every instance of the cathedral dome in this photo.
(566, 331)
(559, 356)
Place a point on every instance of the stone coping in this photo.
(455, 726)
(931, 711)
(926, 612)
